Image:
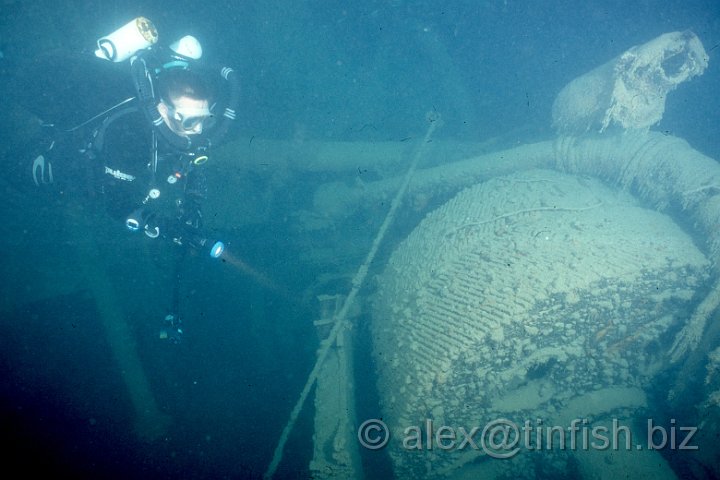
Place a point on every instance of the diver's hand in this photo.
(186, 231)
(191, 215)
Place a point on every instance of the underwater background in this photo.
(311, 71)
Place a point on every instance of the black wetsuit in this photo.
(126, 154)
(168, 191)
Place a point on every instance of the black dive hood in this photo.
(144, 78)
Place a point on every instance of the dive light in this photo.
(137, 34)
(217, 249)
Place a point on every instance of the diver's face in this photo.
(186, 116)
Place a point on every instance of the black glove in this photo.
(186, 230)
(192, 220)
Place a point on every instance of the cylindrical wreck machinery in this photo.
(538, 306)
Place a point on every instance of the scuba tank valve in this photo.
(188, 47)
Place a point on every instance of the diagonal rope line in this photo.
(358, 281)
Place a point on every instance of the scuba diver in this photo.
(144, 156)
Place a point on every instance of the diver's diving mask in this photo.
(190, 119)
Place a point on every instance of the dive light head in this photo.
(217, 249)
